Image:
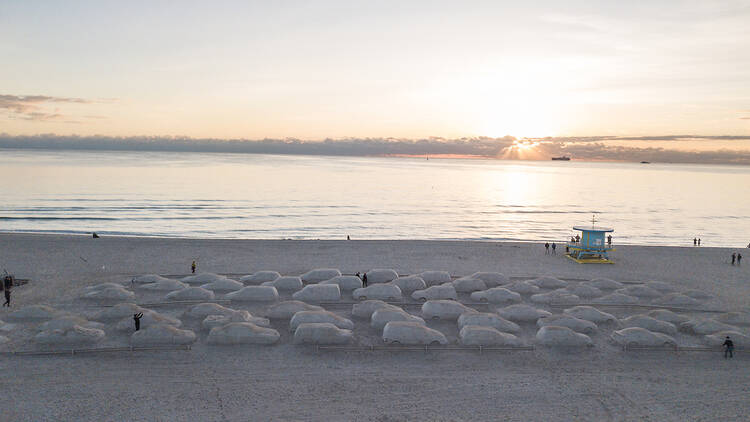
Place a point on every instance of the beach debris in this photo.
(440, 292)
(380, 275)
(223, 285)
(522, 287)
(432, 278)
(604, 284)
(321, 333)
(444, 309)
(410, 283)
(162, 334)
(235, 333)
(616, 299)
(118, 312)
(291, 283)
(319, 293)
(474, 335)
(164, 285)
(213, 321)
(487, 319)
(378, 291)
(260, 277)
(345, 282)
(320, 274)
(468, 285)
(638, 336)
(190, 293)
(411, 333)
(576, 324)
(522, 313)
(32, 313)
(548, 282)
(319, 316)
(589, 313)
(668, 316)
(368, 307)
(255, 294)
(383, 316)
(496, 295)
(287, 309)
(73, 335)
(556, 336)
(649, 323)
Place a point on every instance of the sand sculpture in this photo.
(378, 291)
(604, 284)
(668, 316)
(468, 285)
(739, 339)
(637, 336)
(490, 279)
(148, 279)
(203, 278)
(67, 322)
(161, 334)
(32, 313)
(203, 310)
(379, 275)
(697, 294)
(432, 278)
(260, 277)
(287, 309)
(305, 317)
(576, 324)
(110, 293)
(74, 335)
(549, 282)
(734, 318)
(383, 316)
(522, 287)
(441, 292)
(150, 318)
(705, 326)
(285, 283)
(640, 291)
(212, 321)
(410, 283)
(235, 333)
(444, 309)
(584, 291)
(496, 295)
(661, 286)
(473, 335)
(487, 319)
(590, 313)
(321, 333)
(522, 313)
(556, 297)
(101, 286)
(320, 274)
(254, 294)
(164, 285)
(411, 333)
(118, 312)
(556, 336)
(190, 293)
(345, 282)
(649, 323)
(319, 293)
(677, 299)
(223, 285)
(365, 309)
(616, 299)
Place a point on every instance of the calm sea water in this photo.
(311, 197)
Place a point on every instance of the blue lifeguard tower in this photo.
(591, 247)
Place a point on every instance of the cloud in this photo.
(594, 148)
(30, 107)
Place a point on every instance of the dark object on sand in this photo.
(137, 319)
(95, 236)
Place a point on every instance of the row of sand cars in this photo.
(312, 324)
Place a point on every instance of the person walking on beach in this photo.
(609, 240)
(554, 246)
(546, 248)
(192, 267)
(695, 241)
(364, 280)
(7, 284)
(728, 348)
(137, 319)
(699, 241)
(739, 259)
(734, 256)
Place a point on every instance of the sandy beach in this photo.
(292, 382)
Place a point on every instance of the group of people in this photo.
(736, 257)
(7, 285)
(547, 246)
(696, 241)
(362, 277)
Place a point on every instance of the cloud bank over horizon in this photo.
(594, 148)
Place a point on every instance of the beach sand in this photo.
(287, 382)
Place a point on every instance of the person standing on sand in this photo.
(695, 241)
(609, 240)
(699, 241)
(137, 319)
(734, 256)
(728, 348)
(7, 284)
(739, 259)
(192, 267)
(554, 247)
(364, 280)
(546, 248)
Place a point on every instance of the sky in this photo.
(347, 70)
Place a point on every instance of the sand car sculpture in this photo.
(411, 333)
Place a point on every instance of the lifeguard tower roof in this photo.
(593, 229)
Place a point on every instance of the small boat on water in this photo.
(563, 158)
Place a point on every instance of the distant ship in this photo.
(563, 158)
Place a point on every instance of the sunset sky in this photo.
(406, 69)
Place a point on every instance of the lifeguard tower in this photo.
(590, 246)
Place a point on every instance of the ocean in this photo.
(219, 195)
